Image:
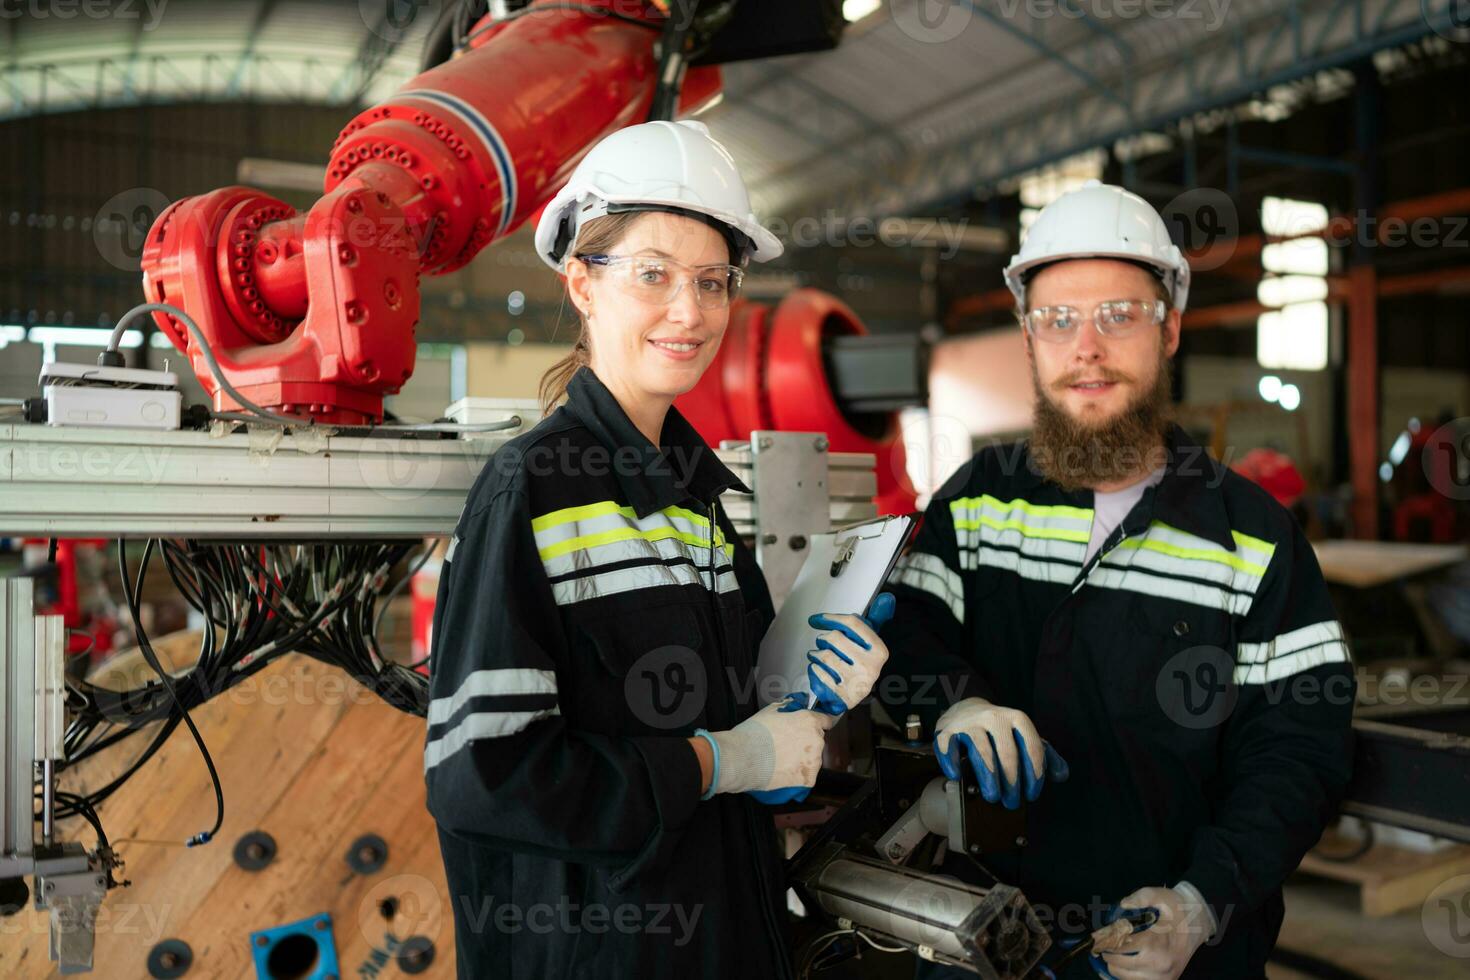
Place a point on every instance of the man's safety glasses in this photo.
(656, 280)
(1114, 318)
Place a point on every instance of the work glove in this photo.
(1005, 751)
(849, 656)
(1162, 950)
(774, 755)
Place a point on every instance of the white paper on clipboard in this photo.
(862, 555)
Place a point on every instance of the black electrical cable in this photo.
(586, 8)
(134, 600)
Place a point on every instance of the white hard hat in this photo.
(1100, 220)
(659, 166)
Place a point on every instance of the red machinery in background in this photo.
(314, 314)
(783, 368)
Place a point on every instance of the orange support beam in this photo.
(1362, 385)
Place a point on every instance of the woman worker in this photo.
(593, 733)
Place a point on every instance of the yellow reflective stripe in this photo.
(1028, 530)
(1036, 510)
(1211, 554)
(1245, 540)
(586, 511)
(1197, 554)
(570, 515)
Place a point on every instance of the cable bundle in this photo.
(259, 602)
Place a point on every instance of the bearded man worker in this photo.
(1134, 628)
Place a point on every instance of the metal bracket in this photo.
(792, 502)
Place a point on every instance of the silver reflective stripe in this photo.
(1292, 663)
(1317, 634)
(453, 544)
(930, 574)
(1045, 548)
(622, 580)
(492, 681)
(1027, 568)
(1170, 551)
(1134, 580)
(1154, 561)
(484, 724)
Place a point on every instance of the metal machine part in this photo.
(863, 868)
(270, 484)
(1410, 770)
(808, 365)
(789, 476)
(69, 881)
(991, 932)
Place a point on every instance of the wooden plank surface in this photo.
(1390, 878)
(1363, 564)
(304, 754)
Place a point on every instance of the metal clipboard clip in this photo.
(847, 547)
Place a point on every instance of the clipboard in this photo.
(843, 572)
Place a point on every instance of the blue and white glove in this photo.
(774, 755)
(849, 656)
(1181, 922)
(1009, 758)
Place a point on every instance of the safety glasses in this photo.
(1114, 318)
(658, 281)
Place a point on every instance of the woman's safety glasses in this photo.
(658, 281)
(1114, 318)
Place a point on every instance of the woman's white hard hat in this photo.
(1100, 221)
(657, 166)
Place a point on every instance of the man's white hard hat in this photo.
(1100, 220)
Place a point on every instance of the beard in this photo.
(1075, 454)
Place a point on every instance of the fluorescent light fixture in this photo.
(1293, 338)
(1284, 290)
(1290, 397)
(1290, 218)
(1400, 449)
(1270, 387)
(1301, 256)
(855, 10)
(84, 336)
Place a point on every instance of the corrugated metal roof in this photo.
(921, 100)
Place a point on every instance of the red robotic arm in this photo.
(314, 314)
